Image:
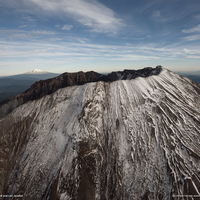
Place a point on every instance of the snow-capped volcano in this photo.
(130, 138)
(37, 71)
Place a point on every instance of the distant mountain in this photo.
(37, 71)
(36, 74)
(13, 85)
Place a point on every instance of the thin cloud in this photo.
(89, 13)
(30, 19)
(42, 32)
(193, 57)
(191, 51)
(192, 30)
(192, 37)
(35, 32)
(82, 51)
(25, 34)
(134, 57)
(9, 4)
(22, 26)
(197, 17)
(92, 14)
(67, 27)
(163, 11)
(156, 14)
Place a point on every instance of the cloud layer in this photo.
(192, 30)
(92, 14)
(62, 31)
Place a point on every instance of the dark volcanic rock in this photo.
(131, 74)
(49, 86)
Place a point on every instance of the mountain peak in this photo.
(36, 71)
(127, 135)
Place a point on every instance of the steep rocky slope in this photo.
(126, 139)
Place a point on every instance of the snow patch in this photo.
(36, 71)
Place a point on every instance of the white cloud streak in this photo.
(192, 51)
(65, 54)
(77, 51)
(23, 26)
(193, 30)
(25, 34)
(92, 14)
(192, 37)
(67, 27)
(163, 11)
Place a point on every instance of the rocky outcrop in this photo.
(46, 87)
(128, 139)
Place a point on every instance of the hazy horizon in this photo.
(187, 72)
(103, 36)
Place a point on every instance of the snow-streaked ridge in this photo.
(128, 139)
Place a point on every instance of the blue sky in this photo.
(99, 35)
